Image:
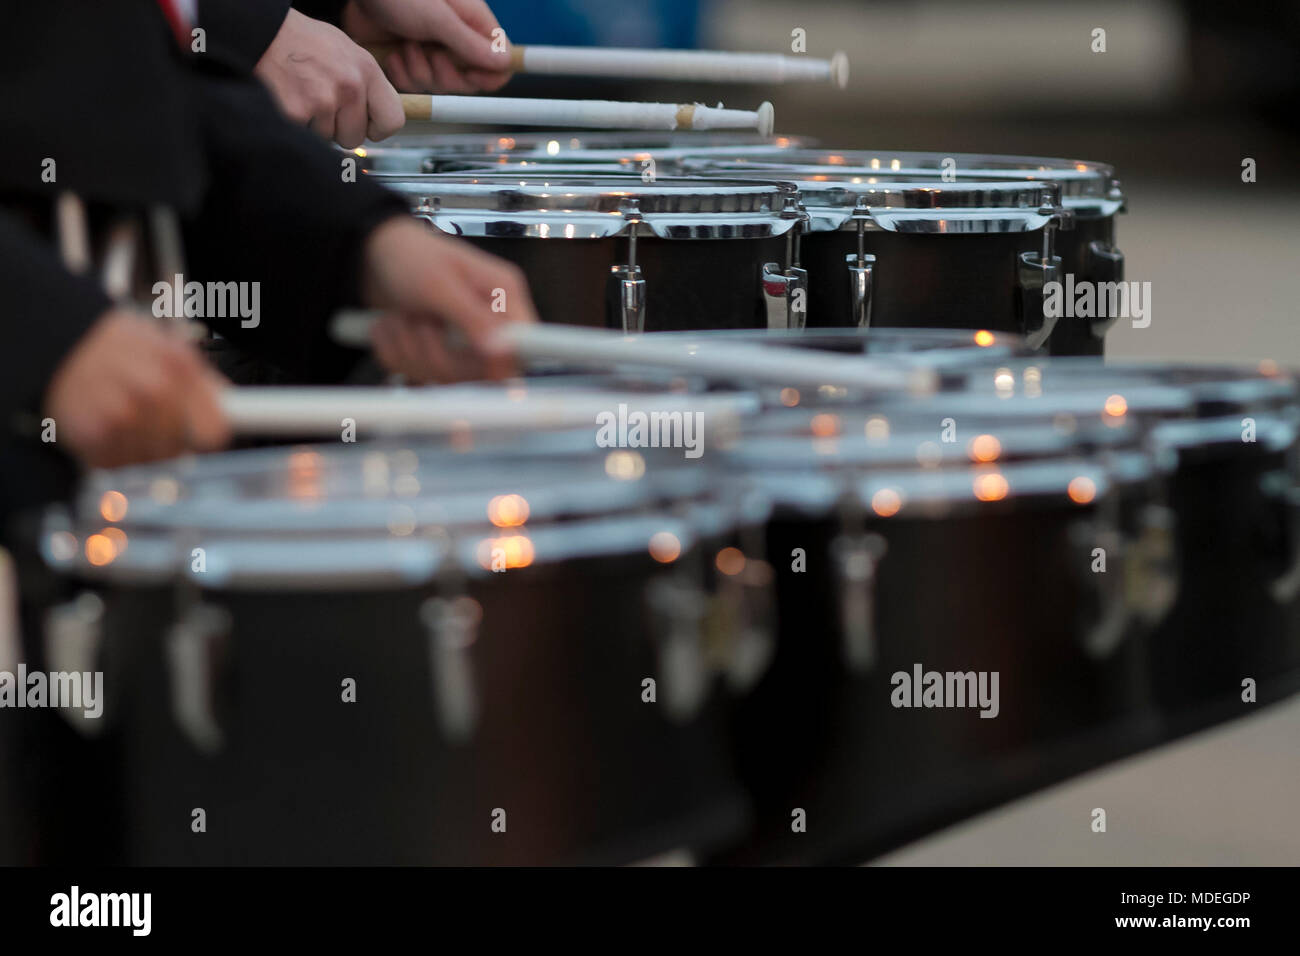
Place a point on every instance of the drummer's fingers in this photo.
(447, 76)
(410, 352)
(323, 120)
(383, 115)
(502, 283)
(352, 119)
(385, 345)
(474, 317)
(477, 14)
(206, 425)
(394, 65)
(436, 356)
(468, 34)
(154, 385)
(416, 62)
(486, 81)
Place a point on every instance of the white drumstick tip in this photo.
(766, 118)
(840, 69)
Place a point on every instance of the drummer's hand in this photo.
(437, 290)
(462, 62)
(319, 76)
(132, 391)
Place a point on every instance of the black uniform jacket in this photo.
(130, 120)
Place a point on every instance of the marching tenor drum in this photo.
(410, 654)
(614, 252)
(1084, 239)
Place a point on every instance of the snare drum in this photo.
(899, 556)
(1232, 492)
(1084, 241)
(392, 654)
(614, 252)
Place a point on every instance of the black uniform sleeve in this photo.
(278, 212)
(45, 311)
(331, 11)
(239, 31)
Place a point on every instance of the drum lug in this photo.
(856, 556)
(1036, 271)
(626, 296)
(678, 605)
(1152, 565)
(785, 294)
(1103, 635)
(861, 268)
(196, 647)
(747, 595)
(74, 634)
(757, 632)
(1116, 194)
(1106, 264)
(1281, 492)
(452, 628)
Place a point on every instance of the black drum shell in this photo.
(1009, 592)
(1225, 625)
(921, 280)
(586, 772)
(690, 283)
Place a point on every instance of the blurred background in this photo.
(1182, 95)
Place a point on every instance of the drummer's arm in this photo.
(280, 213)
(238, 32)
(98, 382)
(284, 212)
(316, 74)
(46, 310)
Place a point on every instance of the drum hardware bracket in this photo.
(1101, 638)
(196, 644)
(678, 604)
(452, 624)
(861, 269)
(1116, 194)
(857, 555)
(1035, 272)
(785, 291)
(74, 633)
(627, 294)
(1107, 265)
(754, 641)
(1280, 487)
(785, 294)
(1153, 578)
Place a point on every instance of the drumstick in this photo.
(325, 410)
(584, 114)
(726, 361)
(708, 66)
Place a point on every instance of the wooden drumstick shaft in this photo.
(710, 66)
(583, 114)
